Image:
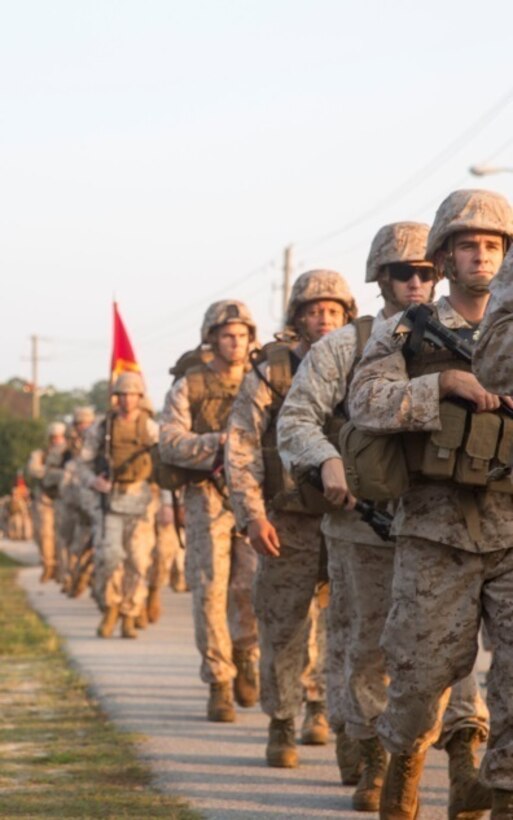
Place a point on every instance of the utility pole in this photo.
(287, 276)
(34, 358)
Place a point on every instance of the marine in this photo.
(46, 467)
(76, 511)
(361, 564)
(220, 563)
(492, 359)
(290, 587)
(454, 530)
(116, 462)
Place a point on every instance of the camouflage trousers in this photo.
(80, 541)
(122, 560)
(440, 595)
(167, 554)
(361, 579)
(68, 523)
(19, 525)
(291, 622)
(220, 567)
(45, 515)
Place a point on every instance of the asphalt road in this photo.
(151, 687)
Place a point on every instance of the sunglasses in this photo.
(402, 272)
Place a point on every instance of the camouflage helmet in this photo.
(225, 312)
(315, 285)
(128, 383)
(83, 415)
(56, 428)
(397, 242)
(470, 210)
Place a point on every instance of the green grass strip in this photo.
(59, 755)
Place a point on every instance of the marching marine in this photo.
(19, 522)
(454, 529)
(493, 359)
(281, 528)
(46, 466)
(117, 463)
(75, 521)
(220, 563)
(361, 564)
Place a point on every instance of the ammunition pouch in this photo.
(375, 465)
(464, 451)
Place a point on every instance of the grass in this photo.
(59, 755)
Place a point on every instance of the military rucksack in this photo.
(210, 400)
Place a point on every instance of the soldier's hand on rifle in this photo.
(263, 537)
(466, 386)
(165, 515)
(335, 485)
(102, 484)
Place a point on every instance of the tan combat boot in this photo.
(246, 686)
(502, 805)
(66, 585)
(281, 747)
(80, 584)
(128, 629)
(315, 729)
(400, 792)
(153, 605)
(47, 574)
(220, 708)
(468, 798)
(374, 765)
(178, 582)
(108, 622)
(141, 621)
(349, 758)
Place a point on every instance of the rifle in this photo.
(379, 520)
(419, 322)
(103, 466)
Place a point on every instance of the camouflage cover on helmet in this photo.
(227, 311)
(318, 284)
(397, 242)
(56, 428)
(128, 383)
(470, 210)
(83, 415)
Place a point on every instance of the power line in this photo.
(424, 172)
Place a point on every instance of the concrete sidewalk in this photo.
(151, 686)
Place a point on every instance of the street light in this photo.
(484, 170)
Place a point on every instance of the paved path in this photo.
(151, 686)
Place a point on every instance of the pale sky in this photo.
(166, 152)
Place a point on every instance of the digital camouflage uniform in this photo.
(46, 466)
(445, 579)
(289, 616)
(360, 563)
(78, 503)
(169, 555)
(492, 355)
(19, 522)
(124, 548)
(220, 563)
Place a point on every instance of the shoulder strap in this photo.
(277, 355)
(196, 385)
(281, 368)
(363, 328)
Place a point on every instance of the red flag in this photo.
(123, 356)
